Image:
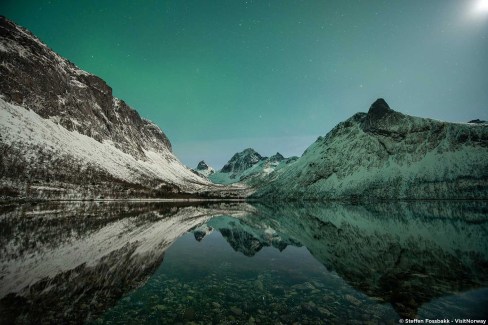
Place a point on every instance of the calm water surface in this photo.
(121, 263)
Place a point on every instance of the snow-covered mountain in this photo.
(384, 154)
(63, 134)
(204, 169)
(249, 167)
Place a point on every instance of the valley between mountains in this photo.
(65, 136)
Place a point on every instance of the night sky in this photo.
(221, 76)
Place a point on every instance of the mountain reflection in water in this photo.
(223, 262)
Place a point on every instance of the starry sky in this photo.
(219, 76)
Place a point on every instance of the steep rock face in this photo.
(61, 126)
(37, 78)
(250, 168)
(385, 154)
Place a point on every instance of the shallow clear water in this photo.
(210, 282)
(243, 264)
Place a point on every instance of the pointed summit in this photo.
(202, 165)
(242, 161)
(377, 113)
(379, 108)
(204, 169)
(249, 151)
(276, 157)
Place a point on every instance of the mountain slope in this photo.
(385, 154)
(65, 135)
(249, 167)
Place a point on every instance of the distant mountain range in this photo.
(249, 167)
(63, 135)
(382, 154)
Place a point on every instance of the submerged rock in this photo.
(236, 310)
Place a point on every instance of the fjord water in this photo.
(162, 263)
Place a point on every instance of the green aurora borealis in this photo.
(220, 76)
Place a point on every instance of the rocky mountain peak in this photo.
(388, 154)
(250, 167)
(276, 157)
(249, 151)
(202, 165)
(204, 169)
(380, 115)
(379, 109)
(242, 161)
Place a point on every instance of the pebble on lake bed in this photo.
(237, 311)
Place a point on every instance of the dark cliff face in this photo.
(35, 77)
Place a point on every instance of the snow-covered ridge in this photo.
(386, 154)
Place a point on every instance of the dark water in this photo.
(161, 263)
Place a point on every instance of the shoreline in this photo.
(236, 200)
